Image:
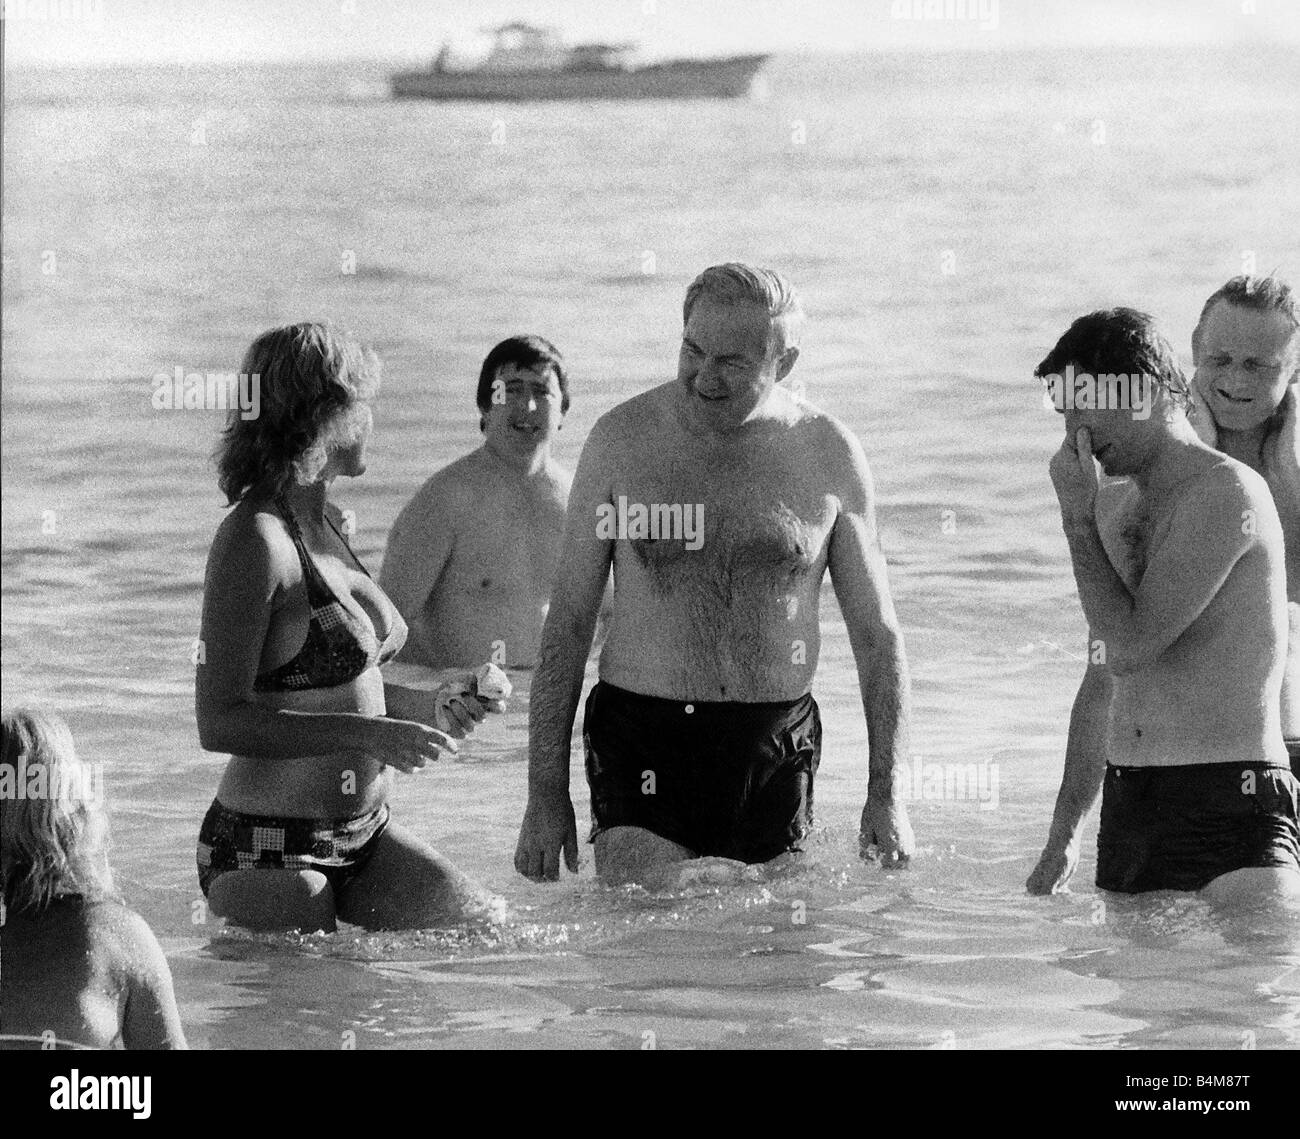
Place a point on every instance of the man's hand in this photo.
(886, 834)
(1074, 475)
(1202, 419)
(1056, 866)
(1280, 453)
(548, 827)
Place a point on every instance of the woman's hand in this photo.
(457, 706)
(407, 745)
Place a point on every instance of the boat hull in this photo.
(679, 79)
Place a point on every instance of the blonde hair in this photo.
(313, 380)
(53, 830)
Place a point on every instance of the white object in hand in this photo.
(491, 682)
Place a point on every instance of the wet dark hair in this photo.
(1119, 341)
(523, 352)
(1259, 294)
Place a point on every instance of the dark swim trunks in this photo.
(338, 848)
(1179, 828)
(1293, 750)
(719, 778)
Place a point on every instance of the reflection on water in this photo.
(832, 953)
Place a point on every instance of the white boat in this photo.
(528, 62)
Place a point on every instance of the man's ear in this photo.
(788, 358)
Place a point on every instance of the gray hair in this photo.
(737, 283)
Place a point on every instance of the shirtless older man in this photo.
(721, 501)
(471, 557)
(1182, 578)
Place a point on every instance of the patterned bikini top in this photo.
(340, 646)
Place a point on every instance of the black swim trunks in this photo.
(719, 778)
(1293, 750)
(1179, 828)
(338, 848)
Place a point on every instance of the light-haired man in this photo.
(1182, 578)
(1246, 349)
(702, 738)
(472, 556)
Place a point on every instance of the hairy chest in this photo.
(729, 526)
(1131, 534)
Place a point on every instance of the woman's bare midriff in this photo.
(338, 785)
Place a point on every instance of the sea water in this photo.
(945, 217)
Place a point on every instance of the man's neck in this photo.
(1245, 446)
(522, 464)
(696, 425)
(1172, 463)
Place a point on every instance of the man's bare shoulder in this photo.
(1230, 491)
(1224, 482)
(825, 439)
(447, 489)
(828, 453)
(633, 417)
(626, 427)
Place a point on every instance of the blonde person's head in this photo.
(315, 383)
(53, 829)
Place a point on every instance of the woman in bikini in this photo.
(288, 681)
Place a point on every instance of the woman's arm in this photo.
(250, 563)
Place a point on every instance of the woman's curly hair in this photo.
(53, 827)
(313, 381)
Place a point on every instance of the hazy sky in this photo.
(143, 31)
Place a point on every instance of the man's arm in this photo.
(1207, 535)
(1085, 769)
(548, 824)
(419, 548)
(603, 618)
(861, 583)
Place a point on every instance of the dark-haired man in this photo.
(1182, 578)
(721, 502)
(472, 557)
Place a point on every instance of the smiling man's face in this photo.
(1244, 361)
(525, 408)
(728, 361)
